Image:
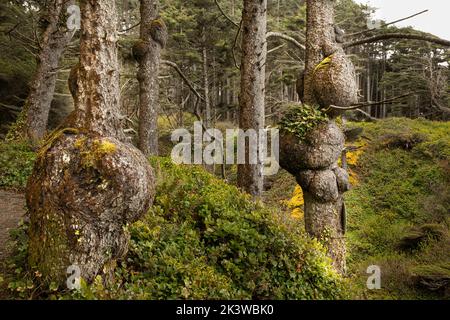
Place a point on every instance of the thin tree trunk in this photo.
(207, 115)
(251, 112)
(54, 40)
(153, 38)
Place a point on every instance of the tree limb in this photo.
(386, 24)
(440, 107)
(128, 29)
(365, 114)
(10, 107)
(269, 34)
(183, 76)
(369, 104)
(234, 46)
(285, 37)
(225, 15)
(401, 36)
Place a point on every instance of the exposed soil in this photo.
(12, 209)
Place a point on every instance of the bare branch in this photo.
(365, 114)
(285, 37)
(11, 108)
(401, 36)
(234, 45)
(225, 15)
(183, 76)
(386, 24)
(440, 107)
(269, 34)
(276, 48)
(128, 29)
(369, 104)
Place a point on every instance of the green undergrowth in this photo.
(16, 164)
(399, 213)
(202, 239)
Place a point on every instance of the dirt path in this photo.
(12, 209)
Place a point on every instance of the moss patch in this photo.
(300, 119)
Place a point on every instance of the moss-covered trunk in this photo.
(87, 183)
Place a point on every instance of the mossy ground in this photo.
(403, 186)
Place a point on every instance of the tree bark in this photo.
(153, 38)
(207, 113)
(314, 161)
(87, 183)
(54, 40)
(251, 112)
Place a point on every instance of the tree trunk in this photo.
(87, 184)
(207, 114)
(54, 40)
(153, 39)
(314, 163)
(251, 100)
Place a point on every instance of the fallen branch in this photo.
(365, 114)
(401, 36)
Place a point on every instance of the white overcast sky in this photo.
(435, 21)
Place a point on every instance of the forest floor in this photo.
(12, 209)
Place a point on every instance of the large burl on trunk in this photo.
(83, 191)
(314, 163)
(329, 79)
(87, 183)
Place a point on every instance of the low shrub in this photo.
(16, 164)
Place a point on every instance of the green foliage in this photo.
(205, 239)
(202, 239)
(402, 203)
(16, 164)
(300, 119)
